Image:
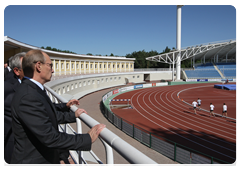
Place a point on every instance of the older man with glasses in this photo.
(36, 119)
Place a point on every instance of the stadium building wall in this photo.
(79, 86)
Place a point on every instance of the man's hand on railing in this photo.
(72, 102)
(79, 111)
(95, 131)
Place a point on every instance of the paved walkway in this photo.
(91, 103)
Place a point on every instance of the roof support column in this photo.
(75, 67)
(65, 65)
(173, 67)
(70, 67)
(178, 64)
(80, 65)
(54, 67)
(84, 67)
(98, 66)
(89, 68)
(60, 67)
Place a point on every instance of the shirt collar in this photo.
(36, 82)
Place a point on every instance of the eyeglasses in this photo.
(49, 64)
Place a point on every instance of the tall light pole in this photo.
(178, 63)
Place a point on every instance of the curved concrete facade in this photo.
(79, 86)
(69, 64)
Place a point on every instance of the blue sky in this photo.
(119, 29)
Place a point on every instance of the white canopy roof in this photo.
(208, 50)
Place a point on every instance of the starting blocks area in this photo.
(225, 86)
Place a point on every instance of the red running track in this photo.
(160, 111)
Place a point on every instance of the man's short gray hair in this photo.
(16, 60)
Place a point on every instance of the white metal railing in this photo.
(110, 140)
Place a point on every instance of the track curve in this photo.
(160, 111)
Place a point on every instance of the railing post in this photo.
(121, 124)
(133, 130)
(211, 160)
(79, 131)
(175, 151)
(150, 140)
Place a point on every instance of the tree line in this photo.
(140, 58)
(58, 50)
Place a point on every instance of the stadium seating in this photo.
(227, 69)
(225, 65)
(208, 70)
(202, 73)
(205, 66)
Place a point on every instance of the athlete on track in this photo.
(224, 110)
(194, 103)
(199, 103)
(211, 110)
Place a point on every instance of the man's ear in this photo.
(15, 70)
(38, 66)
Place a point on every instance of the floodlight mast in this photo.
(178, 63)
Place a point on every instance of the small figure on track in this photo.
(224, 110)
(194, 103)
(199, 103)
(211, 109)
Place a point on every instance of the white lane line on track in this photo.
(178, 94)
(187, 117)
(172, 131)
(213, 121)
(223, 124)
(214, 128)
(181, 124)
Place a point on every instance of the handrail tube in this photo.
(131, 154)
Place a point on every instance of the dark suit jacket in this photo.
(35, 127)
(11, 85)
(6, 71)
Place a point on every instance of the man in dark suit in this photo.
(11, 85)
(35, 118)
(7, 68)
